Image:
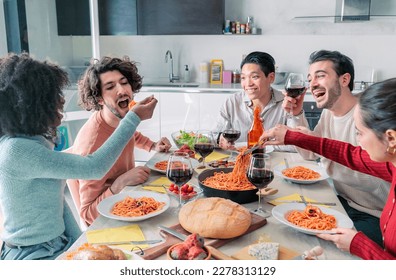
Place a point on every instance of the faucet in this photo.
(172, 77)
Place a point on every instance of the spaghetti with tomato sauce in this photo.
(312, 218)
(235, 180)
(135, 207)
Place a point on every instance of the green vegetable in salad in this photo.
(187, 138)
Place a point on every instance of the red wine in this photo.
(231, 135)
(204, 149)
(294, 91)
(260, 177)
(179, 176)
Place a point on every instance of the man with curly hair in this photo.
(37, 222)
(107, 87)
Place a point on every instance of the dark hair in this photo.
(378, 106)
(342, 63)
(90, 91)
(264, 60)
(31, 97)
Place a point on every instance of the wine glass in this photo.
(260, 174)
(295, 86)
(231, 134)
(204, 145)
(179, 170)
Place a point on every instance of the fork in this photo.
(255, 147)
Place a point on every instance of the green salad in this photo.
(187, 138)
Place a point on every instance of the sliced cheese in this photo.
(264, 251)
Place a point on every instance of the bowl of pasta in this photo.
(221, 182)
(301, 172)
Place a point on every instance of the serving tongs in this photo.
(255, 147)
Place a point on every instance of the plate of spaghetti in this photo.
(310, 219)
(134, 206)
(160, 162)
(301, 172)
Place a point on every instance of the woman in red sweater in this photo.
(375, 119)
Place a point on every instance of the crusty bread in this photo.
(96, 252)
(215, 217)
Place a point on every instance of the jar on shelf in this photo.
(236, 77)
(249, 25)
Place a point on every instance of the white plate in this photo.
(315, 167)
(279, 213)
(165, 156)
(106, 205)
(268, 149)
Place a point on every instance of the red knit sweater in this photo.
(358, 159)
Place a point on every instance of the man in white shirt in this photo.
(331, 77)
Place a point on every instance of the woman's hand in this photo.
(342, 237)
(145, 108)
(275, 135)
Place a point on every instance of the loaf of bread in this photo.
(215, 217)
(96, 252)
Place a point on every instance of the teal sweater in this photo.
(32, 181)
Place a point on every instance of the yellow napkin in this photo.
(294, 196)
(161, 181)
(159, 189)
(125, 233)
(213, 156)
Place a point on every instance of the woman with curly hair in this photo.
(37, 222)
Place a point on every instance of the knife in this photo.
(217, 254)
(306, 202)
(131, 242)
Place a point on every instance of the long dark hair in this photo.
(31, 97)
(378, 107)
(89, 87)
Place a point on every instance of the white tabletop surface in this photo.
(274, 230)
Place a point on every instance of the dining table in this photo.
(273, 230)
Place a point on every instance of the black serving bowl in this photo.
(241, 197)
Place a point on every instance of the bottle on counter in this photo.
(186, 74)
(256, 130)
(204, 72)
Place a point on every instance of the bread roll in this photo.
(96, 252)
(215, 217)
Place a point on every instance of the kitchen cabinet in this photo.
(175, 17)
(116, 17)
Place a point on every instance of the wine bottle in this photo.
(256, 129)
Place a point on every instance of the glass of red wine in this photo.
(179, 170)
(295, 86)
(260, 174)
(231, 134)
(204, 144)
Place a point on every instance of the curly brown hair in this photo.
(31, 97)
(89, 86)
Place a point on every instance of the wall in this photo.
(3, 43)
(290, 40)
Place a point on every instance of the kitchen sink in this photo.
(170, 85)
